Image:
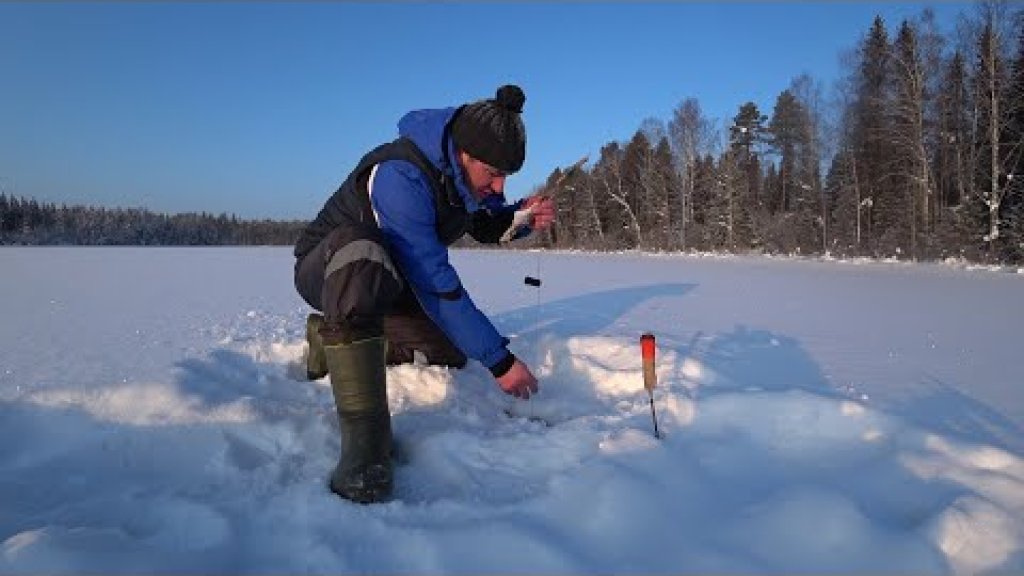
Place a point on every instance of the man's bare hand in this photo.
(518, 381)
(543, 210)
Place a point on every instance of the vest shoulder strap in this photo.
(404, 149)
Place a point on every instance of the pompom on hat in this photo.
(492, 131)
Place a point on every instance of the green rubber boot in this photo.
(359, 382)
(316, 362)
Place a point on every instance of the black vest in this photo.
(350, 204)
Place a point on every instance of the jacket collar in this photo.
(451, 169)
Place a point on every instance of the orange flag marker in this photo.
(647, 353)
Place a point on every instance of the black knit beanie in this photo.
(492, 131)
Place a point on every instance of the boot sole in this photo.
(362, 497)
(379, 489)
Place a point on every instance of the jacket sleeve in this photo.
(403, 203)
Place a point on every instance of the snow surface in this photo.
(817, 416)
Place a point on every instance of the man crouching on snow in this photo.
(375, 263)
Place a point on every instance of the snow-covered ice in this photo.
(818, 416)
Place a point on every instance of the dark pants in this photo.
(352, 280)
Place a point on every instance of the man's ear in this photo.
(462, 163)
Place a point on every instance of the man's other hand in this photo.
(543, 211)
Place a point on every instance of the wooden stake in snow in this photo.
(647, 346)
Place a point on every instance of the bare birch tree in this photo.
(691, 135)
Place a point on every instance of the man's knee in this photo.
(309, 276)
(360, 279)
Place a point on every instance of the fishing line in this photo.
(535, 281)
(536, 320)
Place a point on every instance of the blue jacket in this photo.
(403, 203)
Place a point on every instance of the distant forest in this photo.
(917, 153)
(29, 222)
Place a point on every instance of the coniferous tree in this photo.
(747, 136)
(952, 159)
(793, 201)
(910, 171)
(869, 131)
(704, 196)
(954, 133)
(840, 187)
(729, 225)
(890, 206)
(787, 133)
(665, 186)
(656, 185)
(811, 202)
(636, 184)
(748, 131)
(5, 210)
(1014, 151)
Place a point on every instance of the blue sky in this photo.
(261, 109)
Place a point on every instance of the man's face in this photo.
(483, 179)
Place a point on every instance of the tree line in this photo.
(28, 222)
(918, 155)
